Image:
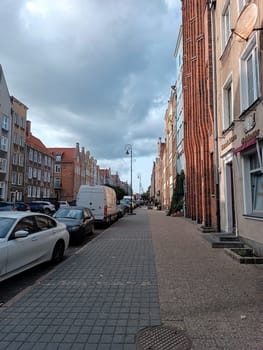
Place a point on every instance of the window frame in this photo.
(227, 109)
(5, 122)
(250, 51)
(4, 143)
(226, 24)
(250, 174)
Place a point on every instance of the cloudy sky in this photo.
(94, 72)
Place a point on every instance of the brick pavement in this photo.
(97, 299)
(218, 301)
(147, 269)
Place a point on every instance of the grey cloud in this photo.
(94, 71)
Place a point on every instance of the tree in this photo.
(146, 195)
(177, 201)
(119, 192)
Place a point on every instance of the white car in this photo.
(63, 204)
(28, 239)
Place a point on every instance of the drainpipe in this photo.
(212, 8)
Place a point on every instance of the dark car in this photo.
(42, 207)
(79, 222)
(15, 206)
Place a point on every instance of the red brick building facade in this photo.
(198, 115)
(69, 171)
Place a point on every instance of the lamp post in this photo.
(128, 148)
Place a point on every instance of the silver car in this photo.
(28, 239)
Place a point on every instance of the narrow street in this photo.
(146, 271)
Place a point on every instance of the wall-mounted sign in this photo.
(249, 122)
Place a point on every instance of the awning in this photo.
(245, 145)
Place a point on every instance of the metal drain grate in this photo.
(162, 338)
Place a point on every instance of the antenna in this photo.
(246, 22)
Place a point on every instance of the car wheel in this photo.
(58, 252)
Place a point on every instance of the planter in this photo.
(244, 255)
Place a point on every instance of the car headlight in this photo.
(73, 228)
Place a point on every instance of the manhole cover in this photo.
(162, 338)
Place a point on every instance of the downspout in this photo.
(212, 8)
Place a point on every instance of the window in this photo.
(38, 192)
(226, 26)
(16, 119)
(20, 179)
(241, 4)
(253, 182)
(14, 176)
(249, 84)
(27, 224)
(19, 196)
(22, 141)
(15, 138)
(57, 182)
(15, 159)
(58, 158)
(21, 159)
(35, 173)
(4, 143)
(39, 158)
(57, 168)
(35, 156)
(45, 223)
(5, 122)
(2, 190)
(228, 103)
(30, 156)
(30, 172)
(39, 174)
(22, 123)
(3, 163)
(29, 191)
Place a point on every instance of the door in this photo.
(21, 251)
(230, 199)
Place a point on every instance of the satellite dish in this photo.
(246, 21)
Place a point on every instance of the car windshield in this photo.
(5, 225)
(69, 213)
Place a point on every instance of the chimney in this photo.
(28, 128)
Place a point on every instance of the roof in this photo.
(35, 142)
(68, 153)
(16, 214)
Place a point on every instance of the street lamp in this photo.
(128, 149)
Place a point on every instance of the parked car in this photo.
(28, 239)
(42, 207)
(123, 209)
(101, 200)
(15, 206)
(126, 204)
(79, 222)
(63, 204)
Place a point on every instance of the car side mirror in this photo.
(21, 234)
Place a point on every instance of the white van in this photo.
(101, 200)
